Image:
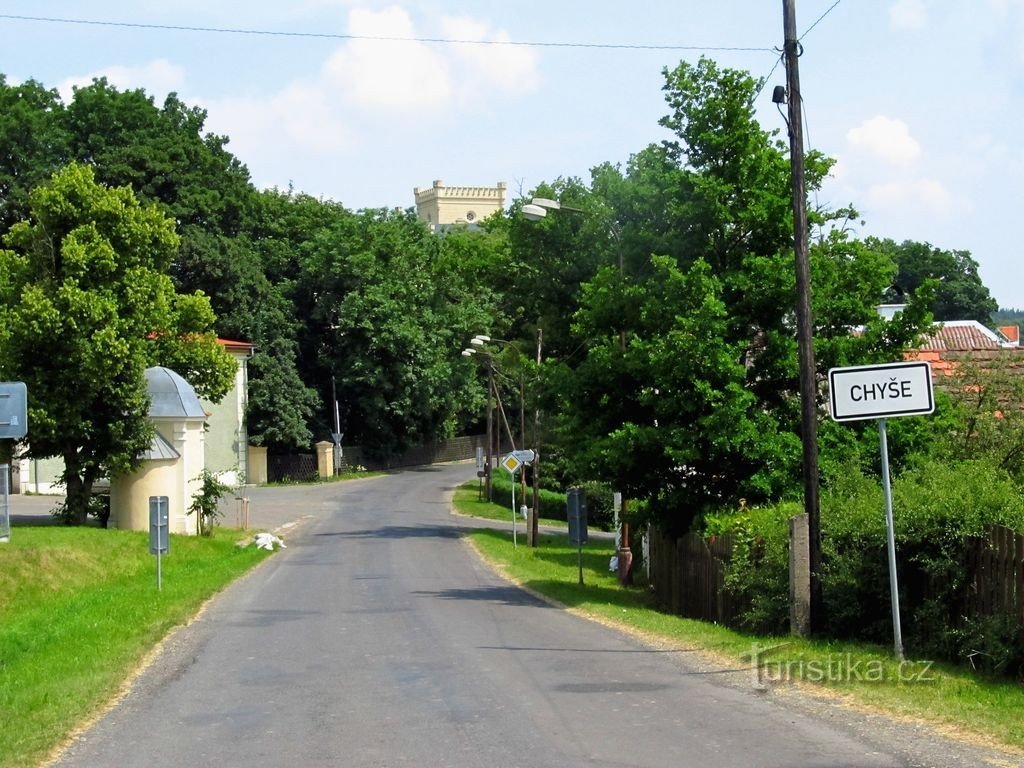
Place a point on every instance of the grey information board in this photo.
(576, 504)
(159, 540)
(13, 410)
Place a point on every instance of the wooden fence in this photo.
(688, 575)
(995, 567)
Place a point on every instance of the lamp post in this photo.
(536, 210)
(479, 342)
(490, 413)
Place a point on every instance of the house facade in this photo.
(227, 440)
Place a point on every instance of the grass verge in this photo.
(468, 501)
(960, 703)
(79, 610)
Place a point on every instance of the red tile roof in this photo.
(960, 336)
(236, 346)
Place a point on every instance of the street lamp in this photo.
(469, 352)
(536, 210)
(479, 343)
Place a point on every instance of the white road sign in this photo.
(881, 391)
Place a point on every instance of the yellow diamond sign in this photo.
(511, 463)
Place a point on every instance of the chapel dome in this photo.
(171, 397)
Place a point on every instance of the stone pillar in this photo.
(799, 576)
(325, 459)
(257, 469)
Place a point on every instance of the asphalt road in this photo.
(379, 639)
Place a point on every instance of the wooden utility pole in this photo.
(535, 511)
(805, 328)
(490, 431)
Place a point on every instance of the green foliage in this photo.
(960, 294)
(205, 502)
(758, 573)
(86, 280)
(682, 386)
(33, 144)
(938, 507)
(553, 504)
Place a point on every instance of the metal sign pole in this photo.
(5, 500)
(891, 536)
(515, 544)
(579, 558)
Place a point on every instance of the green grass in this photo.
(79, 609)
(467, 501)
(950, 697)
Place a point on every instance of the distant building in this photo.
(951, 342)
(441, 206)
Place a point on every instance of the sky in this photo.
(921, 102)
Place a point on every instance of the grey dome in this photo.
(171, 397)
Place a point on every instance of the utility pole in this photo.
(805, 328)
(490, 431)
(535, 512)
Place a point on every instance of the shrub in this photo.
(937, 508)
(204, 503)
(552, 503)
(758, 573)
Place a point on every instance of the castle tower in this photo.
(441, 206)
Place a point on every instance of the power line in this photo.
(382, 38)
(826, 13)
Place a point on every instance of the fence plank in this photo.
(688, 575)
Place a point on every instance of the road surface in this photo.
(378, 638)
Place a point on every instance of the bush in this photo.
(205, 501)
(553, 505)
(937, 508)
(758, 573)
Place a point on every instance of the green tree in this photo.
(86, 306)
(33, 144)
(687, 389)
(388, 310)
(959, 294)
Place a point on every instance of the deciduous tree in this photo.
(87, 305)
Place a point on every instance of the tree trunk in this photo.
(79, 491)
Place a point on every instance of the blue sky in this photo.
(921, 101)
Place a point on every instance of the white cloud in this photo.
(299, 115)
(405, 75)
(159, 77)
(390, 84)
(887, 138)
(908, 14)
(928, 195)
(390, 74)
(511, 68)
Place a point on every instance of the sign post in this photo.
(13, 426)
(512, 464)
(5, 499)
(880, 392)
(159, 529)
(576, 515)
